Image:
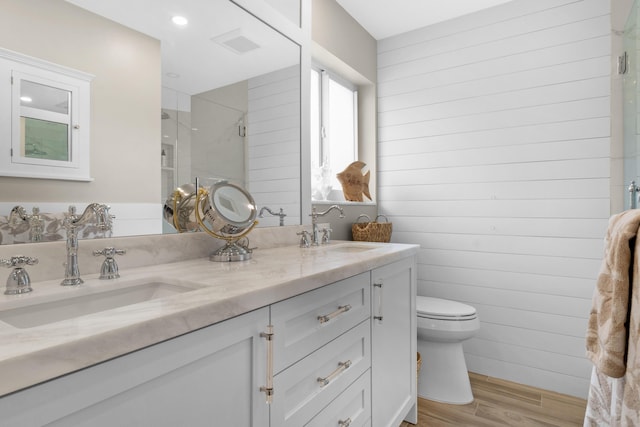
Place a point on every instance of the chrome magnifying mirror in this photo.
(179, 209)
(224, 211)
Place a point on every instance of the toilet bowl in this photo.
(442, 327)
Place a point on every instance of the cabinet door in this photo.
(393, 341)
(204, 378)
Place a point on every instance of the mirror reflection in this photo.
(224, 108)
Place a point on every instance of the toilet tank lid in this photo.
(443, 307)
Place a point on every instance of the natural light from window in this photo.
(334, 133)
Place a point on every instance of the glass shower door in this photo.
(630, 109)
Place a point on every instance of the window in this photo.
(334, 130)
(45, 133)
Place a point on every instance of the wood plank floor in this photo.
(503, 403)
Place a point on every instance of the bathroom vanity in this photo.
(296, 336)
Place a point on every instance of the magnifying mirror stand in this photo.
(189, 199)
(232, 251)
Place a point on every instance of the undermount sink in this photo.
(349, 248)
(42, 313)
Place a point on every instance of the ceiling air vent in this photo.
(236, 42)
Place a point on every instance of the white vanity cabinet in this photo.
(394, 344)
(342, 354)
(205, 378)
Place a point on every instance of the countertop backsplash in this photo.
(141, 250)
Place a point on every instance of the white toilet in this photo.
(442, 326)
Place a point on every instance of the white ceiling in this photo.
(203, 65)
(386, 18)
(191, 52)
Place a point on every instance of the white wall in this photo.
(125, 100)
(273, 135)
(494, 156)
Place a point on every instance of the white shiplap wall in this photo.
(494, 147)
(273, 131)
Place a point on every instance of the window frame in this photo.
(319, 159)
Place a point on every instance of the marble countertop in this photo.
(223, 290)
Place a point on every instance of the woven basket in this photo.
(419, 365)
(372, 231)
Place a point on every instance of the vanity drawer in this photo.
(299, 392)
(352, 407)
(306, 322)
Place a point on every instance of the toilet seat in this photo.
(442, 309)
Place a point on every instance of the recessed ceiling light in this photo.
(180, 20)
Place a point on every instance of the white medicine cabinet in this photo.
(44, 119)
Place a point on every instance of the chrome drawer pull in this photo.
(342, 366)
(341, 309)
(345, 423)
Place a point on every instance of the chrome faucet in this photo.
(314, 222)
(100, 216)
(36, 224)
(281, 214)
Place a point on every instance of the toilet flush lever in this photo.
(379, 316)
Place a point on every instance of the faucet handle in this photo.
(18, 281)
(110, 252)
(326, 235)
(18, 261)
(304, 238)
(109, 269)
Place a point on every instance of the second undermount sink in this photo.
(349, 248)
(42, 313)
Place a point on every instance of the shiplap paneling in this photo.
(536, 282)
(517, 318)
(539, 189)
(537, 78)
(494, 156)
(274, 140)
(586, 228)
(547, 132)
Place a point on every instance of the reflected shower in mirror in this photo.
(247, 133)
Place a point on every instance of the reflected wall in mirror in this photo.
(127, 128)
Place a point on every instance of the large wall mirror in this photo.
(216, 98)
